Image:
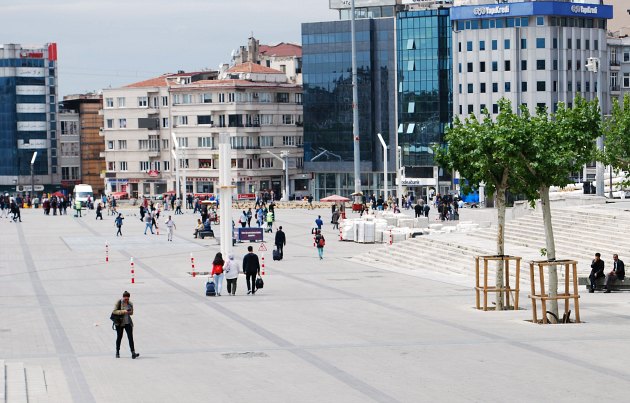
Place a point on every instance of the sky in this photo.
(103, 43)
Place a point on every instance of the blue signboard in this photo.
(532, 8)
(248, 234)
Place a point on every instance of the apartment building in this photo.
(255, 104)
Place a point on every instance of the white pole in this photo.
(184, 205)
(175, 153)
(287, 187)
(400, 174)
(225, 192)
(380, 138)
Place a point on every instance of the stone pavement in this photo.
(320, 331)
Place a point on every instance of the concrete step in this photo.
(37, 388)
(15, 383)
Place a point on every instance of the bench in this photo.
(617, 285)
(204, 233)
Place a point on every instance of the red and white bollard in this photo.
(391, 237)
(263, 264)
(133, 271)
(106, 252)
(340, 235)
(192, 263)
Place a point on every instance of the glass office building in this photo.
(327, 75)
(28, 110)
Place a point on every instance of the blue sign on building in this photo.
(532, 8)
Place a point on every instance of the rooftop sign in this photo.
(554, 8)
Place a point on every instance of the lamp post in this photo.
(32, 175)
(593, 65)
(380, 138)
(284, 157)
(225, 192)
(355, 104)
(176, 157)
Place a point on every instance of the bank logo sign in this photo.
(583, 10)
(491, 10)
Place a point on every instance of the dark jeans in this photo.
(280, 249)
(99, 214)
(594, 276)
(231, 285)
(119, 334)
(251, 287)
(609, 279)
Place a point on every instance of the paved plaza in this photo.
(335, 330)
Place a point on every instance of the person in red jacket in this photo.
(217, 272)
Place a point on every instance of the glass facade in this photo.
(327, 77)
(425, 100)
(8, 127)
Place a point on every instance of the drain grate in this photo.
(249, 354)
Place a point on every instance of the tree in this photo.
(617, 137)
(557, 145)
(484, 151)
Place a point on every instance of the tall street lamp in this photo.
(284, 157)
(380, 138)
(593, 65)
(32, 193)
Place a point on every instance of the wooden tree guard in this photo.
(506, 274)
(566, 296)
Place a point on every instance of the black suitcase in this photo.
(276, 255)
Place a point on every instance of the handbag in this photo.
(116, 319)
(259, 283)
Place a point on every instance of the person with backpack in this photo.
(217, 272)
(251, 268)
(124, 308)
(280, 241)
(118, 222)
(320, 242)
(231, 269)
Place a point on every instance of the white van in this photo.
(81, 193)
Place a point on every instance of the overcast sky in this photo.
(115, 42)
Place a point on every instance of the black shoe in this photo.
(591, 291)
(117, 355)
(134, 355)
(249, 292)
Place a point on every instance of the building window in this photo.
(595, 44)
(555, 64)
(287, 120)
(164, 122)
(508, 65)
(495, 87)
(121, 102)
(411, 65)
(282, 97)
(411, 107)
(482, 88)
(164, 101)
(540, 64)
(555, 86)
(482, 67)
(506, 43)
(110, 145)
(469, 67)
(143, 144)
(221, 98)
(204, 119)
(298, 98)
(540, 21)
(569, 64)
(122, 123)
(167, 165)
(295, 141)
(469, 46)
(165, 144)
(181, 120)
(523, 65)
(578, 44)
(122, 165)
(495, 108)
(122, 144)
(460, 88)
(459, 47)
(482, 108)
(523, 43)
(508, 86)
(495, 66)
(266, 141)
(183, 163)
(570, 86)
(144, 166)
(109, 102)
(110, 123)
(266, 162)
(523, 86)
(471, 109)
(555, 43)
(111, 166)
(206, 98)
(541, 85)
(626, 56)
(495, 44)
(182, 141)
(626, 80)
(411, 44)
(540, 43)
(569, 43)
(460, 110)
(578, 85)
(143, 102)
(470, 88)
(482, 45)
(204, 142)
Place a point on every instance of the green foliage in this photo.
(617, 140)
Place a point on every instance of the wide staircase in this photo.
(20, 384)
(579, 232)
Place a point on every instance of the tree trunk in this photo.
(500, 245)
(552, 271)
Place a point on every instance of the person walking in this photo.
(119, 222)
(77, 206)
(217, 272)
(269, 221)
(124, 308)
(335, 219)
(320, 242)
(231, 269)
(319, 222)
(280, 241)
(251, 268)
(178, 210)
(148, 221)
(243, 219)
(99, 209)
(249, 217)
(170, 227)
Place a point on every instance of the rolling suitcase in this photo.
(210, 289)
(276, 255)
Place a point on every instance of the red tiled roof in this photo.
(282, 49)
(152, 82)
(249, 67)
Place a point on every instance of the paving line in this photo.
(338, 374)
(79, 388)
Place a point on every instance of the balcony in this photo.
(615, 89)
(154, 152)
(615, 65)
